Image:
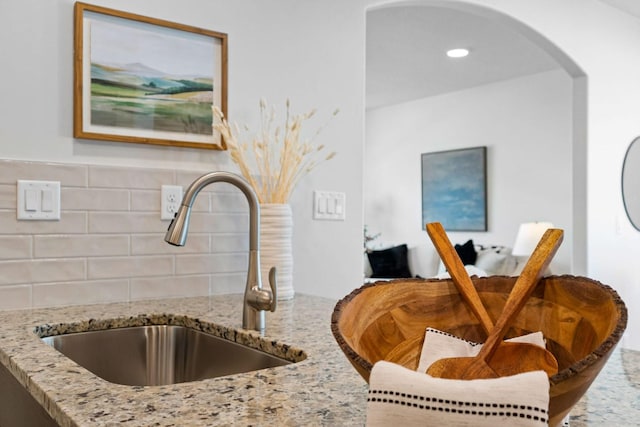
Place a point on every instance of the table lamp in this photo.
(529, 234)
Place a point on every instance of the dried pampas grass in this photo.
(276, 159)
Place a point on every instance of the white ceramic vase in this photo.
(276, 233)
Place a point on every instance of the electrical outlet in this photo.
(170, 199)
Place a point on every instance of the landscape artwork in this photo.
(149, 83)
(454, 189)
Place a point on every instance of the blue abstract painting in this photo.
(454, 189)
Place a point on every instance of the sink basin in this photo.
(159, 354)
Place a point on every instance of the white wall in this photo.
(313, 52)
(277, 50)
(526, 126)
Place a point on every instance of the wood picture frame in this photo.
(145, 80)
(454, 189)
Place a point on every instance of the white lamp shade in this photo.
(529, 235)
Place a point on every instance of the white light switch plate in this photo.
(329, 205)
(38, 200)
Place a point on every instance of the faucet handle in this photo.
(273, 283)
(261, 298)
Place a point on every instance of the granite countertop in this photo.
(323, 389)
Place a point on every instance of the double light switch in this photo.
(38, 200)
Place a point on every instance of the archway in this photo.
(574, 139)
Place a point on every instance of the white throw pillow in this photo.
(496, 260)
(471, 271)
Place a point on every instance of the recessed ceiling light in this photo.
(457, 53)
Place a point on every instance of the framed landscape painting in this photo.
(144, 80)
(454, 189)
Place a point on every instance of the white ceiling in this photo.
(406, 48)
(406, 58)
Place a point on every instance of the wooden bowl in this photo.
(581, 319)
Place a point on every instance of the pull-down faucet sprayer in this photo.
(256, 298)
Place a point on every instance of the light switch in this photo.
(38, 200)
(31, 200)
(322, 205)
(329, 205)
(47, 200)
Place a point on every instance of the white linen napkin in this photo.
(439, 345)
(400, 396)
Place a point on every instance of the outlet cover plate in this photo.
(170, 199)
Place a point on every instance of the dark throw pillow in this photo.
(390, 263)
(467, 253)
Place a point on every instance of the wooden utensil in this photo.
(405, 353)
(458, 274)
(492, 351)
(503, 362)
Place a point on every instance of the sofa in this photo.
(402, 261)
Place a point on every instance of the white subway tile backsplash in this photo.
(154, 244)
(69, 223)
(41, 271)
(168, 287)
(15, 247)
(225, 202)
(76, 293)
(219, 223)
(130, 178)
(132, 266)
(202, 203)
(85, 245)
(126, 222)
(145, 200)
(109, 243)
(230, 243)
(212, 263)
(7, 196)
(15, 297)
(93, 199)
(229, 283)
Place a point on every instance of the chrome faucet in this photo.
(256, 299)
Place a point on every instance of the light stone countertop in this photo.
(322, 390)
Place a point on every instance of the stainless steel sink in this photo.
(159, 354)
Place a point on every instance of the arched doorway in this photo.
(530, 183)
